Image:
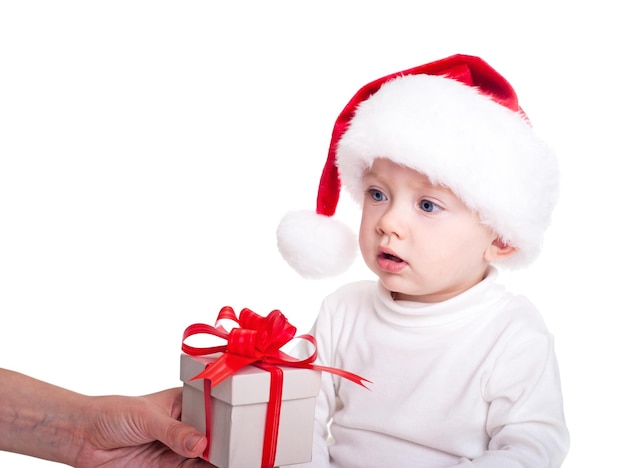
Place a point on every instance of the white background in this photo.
(149, 149)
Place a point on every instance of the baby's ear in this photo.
(499, 250)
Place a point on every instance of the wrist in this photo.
(39, 419)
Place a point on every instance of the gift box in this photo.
(238, 408)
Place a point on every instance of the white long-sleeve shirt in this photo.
(469, 382)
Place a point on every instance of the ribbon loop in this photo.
(242, 341)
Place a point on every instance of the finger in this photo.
(197, 463)
(170, 399)
(180, 437)
(164, 425)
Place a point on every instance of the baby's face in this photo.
(419, 238)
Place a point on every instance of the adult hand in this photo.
(49, 422)
(139, 431)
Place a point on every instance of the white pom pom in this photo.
(314, 245)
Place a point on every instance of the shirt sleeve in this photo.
(526, 424)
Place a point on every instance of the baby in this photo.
(453, 183)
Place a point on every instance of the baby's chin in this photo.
(400, 292)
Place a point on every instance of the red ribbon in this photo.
(257, 341)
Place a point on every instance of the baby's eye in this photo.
(377, 195)
(428, 206)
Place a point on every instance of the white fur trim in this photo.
(314, 245)
(488, 155)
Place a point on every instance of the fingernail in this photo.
(192, 442)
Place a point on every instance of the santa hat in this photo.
(457, 121)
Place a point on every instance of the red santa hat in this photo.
(456, 120)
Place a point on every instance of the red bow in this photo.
(257, 340)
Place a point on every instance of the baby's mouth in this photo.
(388, 262)
(388, 256)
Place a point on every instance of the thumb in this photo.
(166, 427)
(183, 439)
